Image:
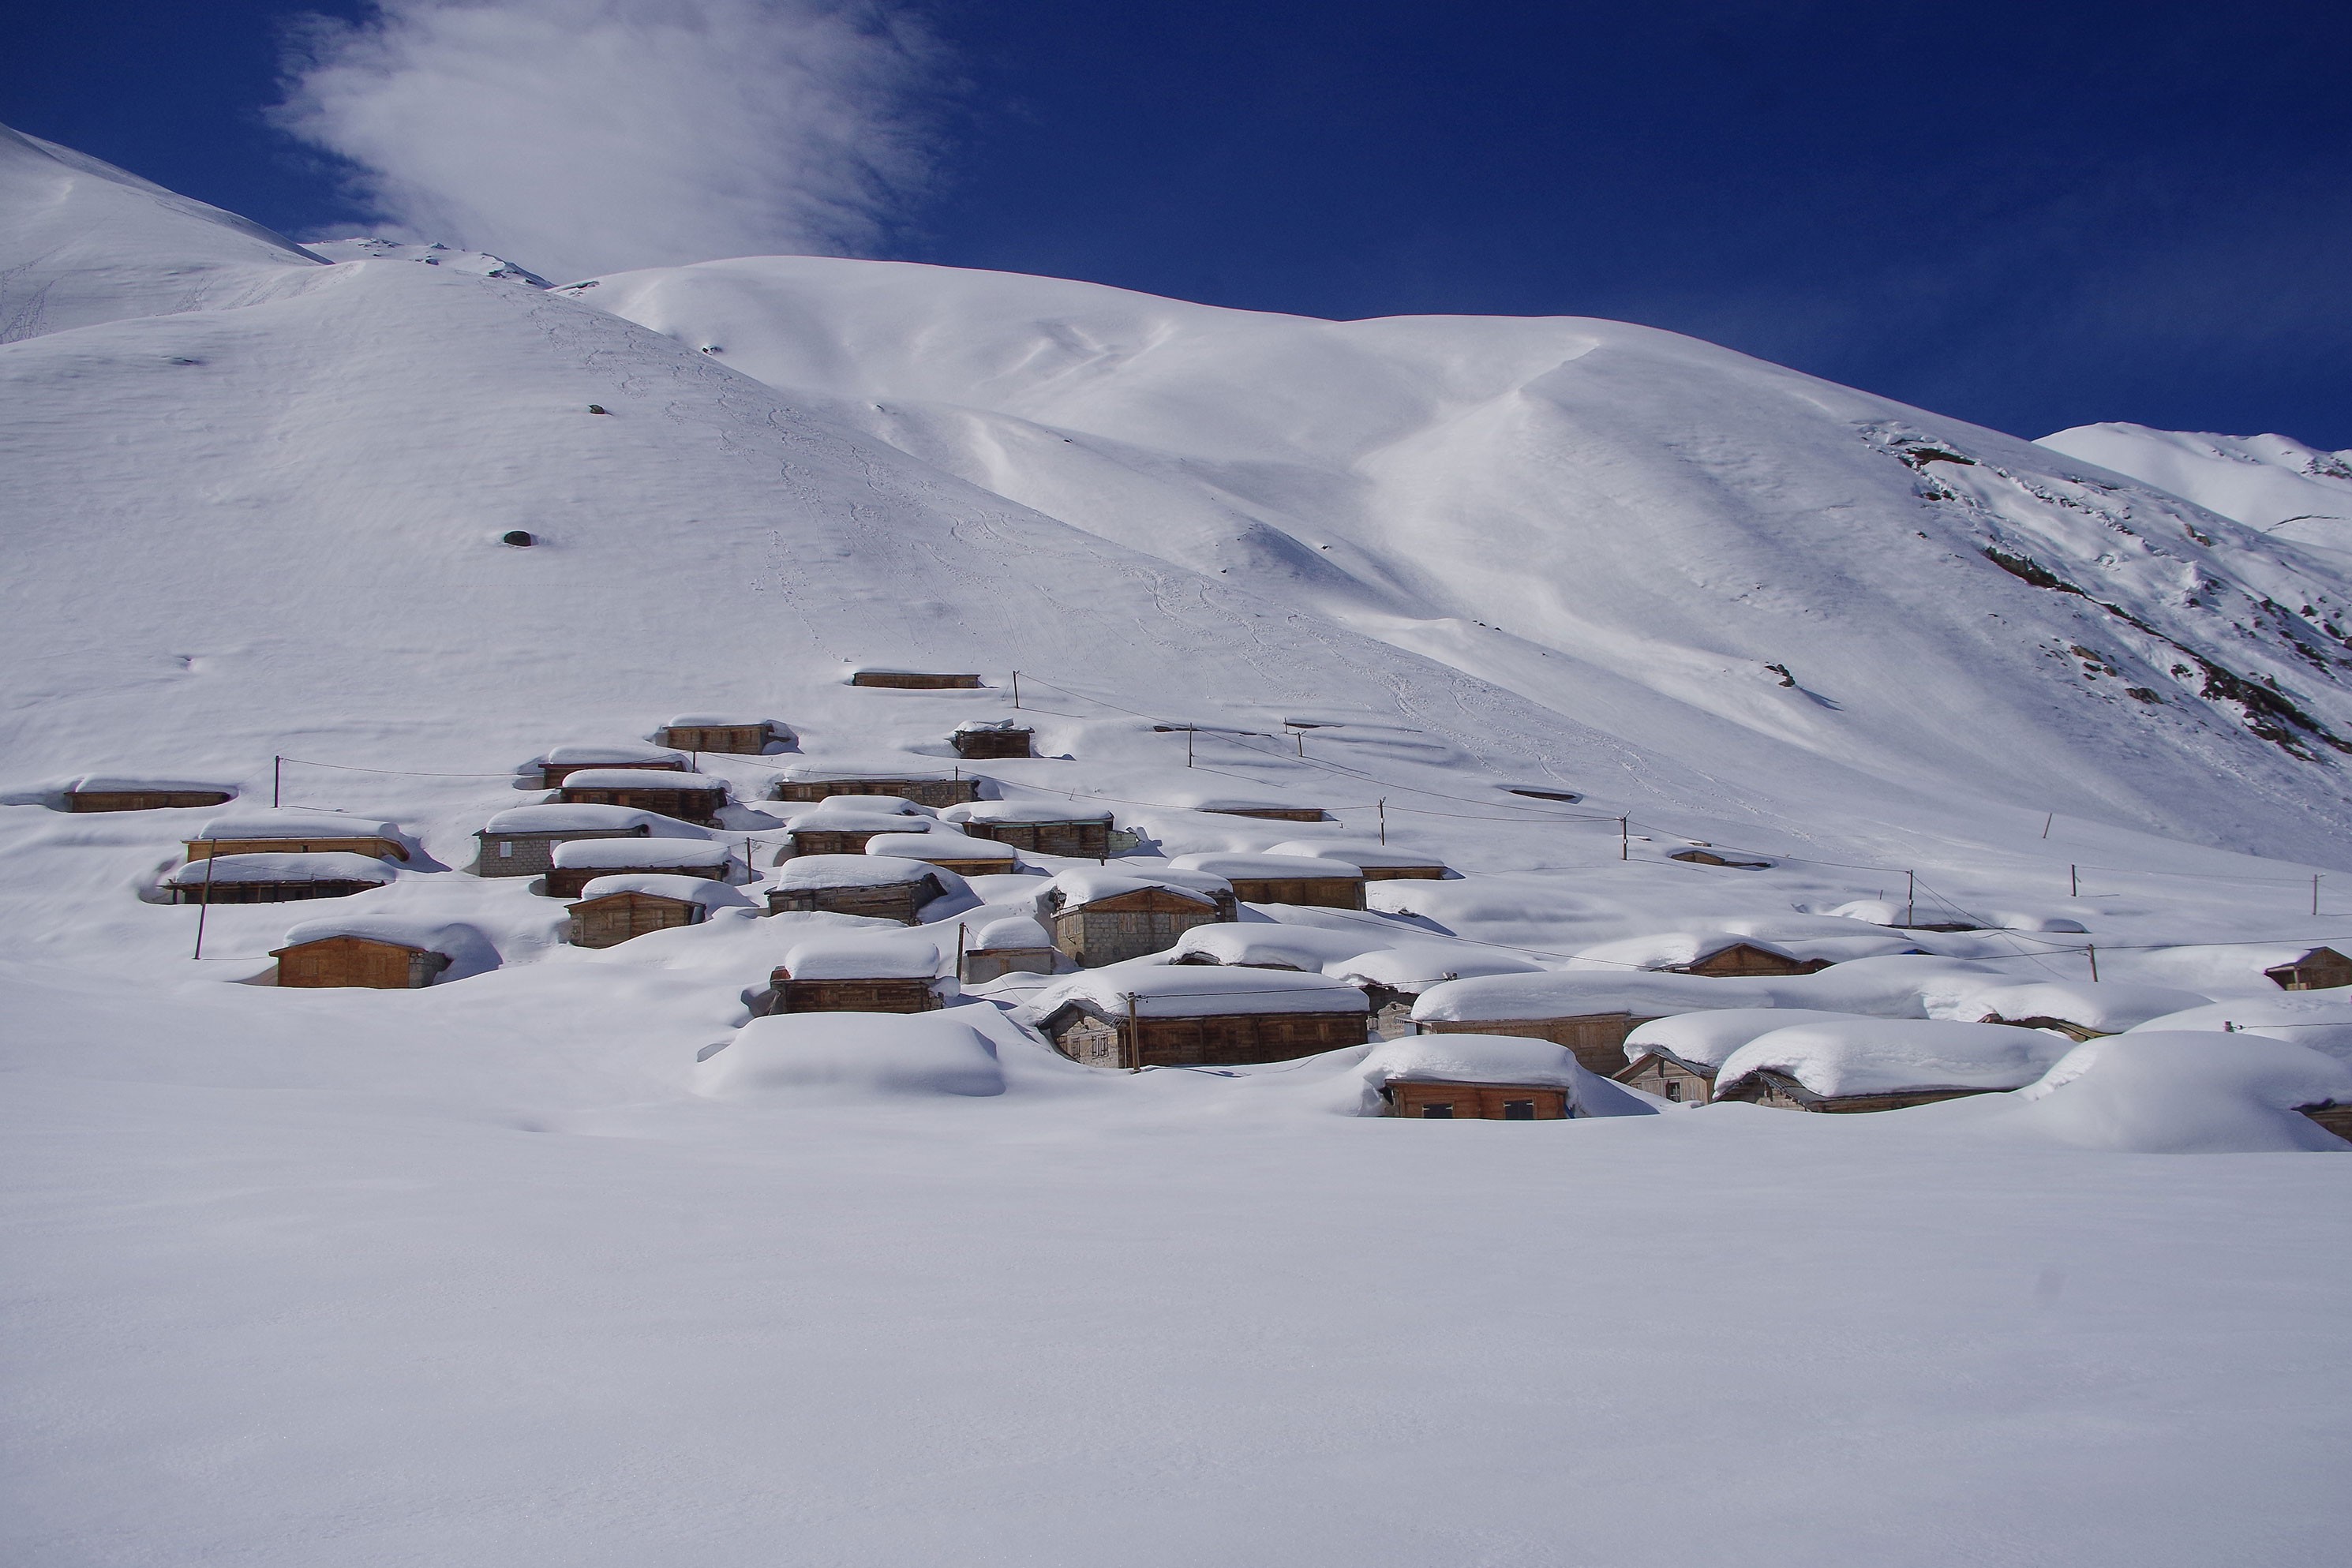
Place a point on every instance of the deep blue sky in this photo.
(2027, 216)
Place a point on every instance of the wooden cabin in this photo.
(981, 964)
(1130, 924)
(582, 861)
(612, 919)
(1750, 958)
(978, 742)
(914, 680)
(1219, 1023)
(948, 852)
(127, 795)
(1780, 1091)
(1438, 1102)
(286, 831)
(1669, 1077)
(734, 737)
(847, 975)
(1284, 879)
(522, 842)
(845, 841)
(1074, 836)
(687, 796)
(362, 961)
(1709, 857)
(1597, 1041)
(560, 764)
(276, 879)
(2334, 1117)
(1377, 861)
(876, 886)
(1273, 813)
(2321, 969)
(932, 792)
(2067, 1027)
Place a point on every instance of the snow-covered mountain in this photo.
(2288, 490)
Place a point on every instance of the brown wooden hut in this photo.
(844, 975)
(1433, 1101)
(1110, 919)
(1175, 1017)
(914, 680)
(1597, 1041)
(1273, 813)
(1750, 958)
(1377, 861)
(276, 879)
(129, 795)
(2321, 969)
(562, 763)
(737, 737)
(980, 741)
(1074, 835)
(1669, 1077)
(845, 841)
(879, 888)
(1781, 1092)
(2334, 1117)
(932, 792)
(688, 796)
(1709, 857)
(950, 851)
(362, 961)
(1284, 879)
(290, 831)
(522, 842)
(617, 908)
(577, 863)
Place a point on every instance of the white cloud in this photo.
(586, 136)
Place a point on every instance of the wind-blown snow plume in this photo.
(587, 135)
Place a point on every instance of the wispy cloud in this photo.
(586, 136)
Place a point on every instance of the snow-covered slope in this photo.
(1746, 568)
(2288, 490)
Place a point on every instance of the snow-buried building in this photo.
(1140, 1014)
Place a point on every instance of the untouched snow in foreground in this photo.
(568, 1260)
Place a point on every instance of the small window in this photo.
(1674, 1088)
(506, 849)
(1518, 1110)
(1437, 1111)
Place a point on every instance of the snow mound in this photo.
(588, 854)
(1707, 1040)
(863, 957)
(292, 822)
(692, 889)
(1077, 885)
(469, 949)
(848, 811)
(2107, 1007)
(943, 846)
(2185, 1092)
(589, 754)
(642, 778)
(1161, 990)
(834, 1057)
(1023, 811)
(1011, 931)
(1304, 947)
(560, 817)
(1267, 867)
(1355, 854)
(1415, 966)
(803, 873)
(1494, 1059)
(1552, 994)
(1886, 1056)
(336, 865)
(2321, 1021)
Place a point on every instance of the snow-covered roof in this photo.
(1472, 1058)
(1080, 885)
(114, 784)
(720, 721)
(804, 872)
(698, 890)
(1355, 855)
(293, 823)
(1233, 867)
(846, 812)
(1706, 1039)
(973, 726)
(469, 949)
(612, 751)
(2320, 1019)
(827, 772)
(1011, 931)
(2108, 1006)
(1583, 992)
(886, 958)
(1021, 812)
(1677, 949)
(1304, 947)
(938, 846)
(333, 865)
(1414, 966)
(582, 854)
(858, 1057)
(563, 817)
(641, 779)
(1194, 991)
(1886, 1056)
(2178, 1091)
(1201, 800)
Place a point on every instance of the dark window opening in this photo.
(1518, 1110)
(1674, 1090)
(1437, 1112)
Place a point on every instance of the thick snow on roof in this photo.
(2320, 1019)
(1011, 931)
(862, 957)
(940, 845)
(612, 751)
(1081, 885)
(698, 890)
(804, 872)
(1304, 947)
(846, 811)
(826, 772)
(1023, 811)
(333, 865)
(828, 1058)
(113, 783)
(2182, 1092)
(1707, 1038)
(1885, 1056)
(642, 778)
(1414, 966)
(1203, 800)
(1248, 866)
(973, 726)
(724, 721)
(1666, 950)
(1355, 855)
(1555, 994)
(469, 949)
(2109, 1007)
(1472, 1058)
(1194, 991)
(293, 823)
(562, 817)
(577, 854)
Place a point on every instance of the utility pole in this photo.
(2315, 895)
(1134, 1038)
(1383, 804)
(1624, 839)
(1189, 733)
(1910, 896)
(1016, 688)
(203, 907)
(276, 770)
(2092, 948)
(2046, 820)
(2073, 882)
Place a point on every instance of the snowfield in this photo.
(567, 1258)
